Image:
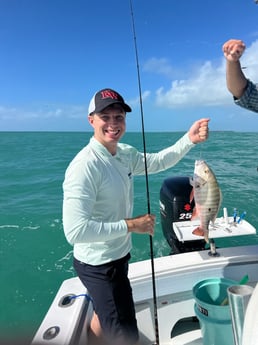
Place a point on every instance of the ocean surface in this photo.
(35, 257)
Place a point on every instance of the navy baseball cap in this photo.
(105, 98)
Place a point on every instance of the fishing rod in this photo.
(146, 178)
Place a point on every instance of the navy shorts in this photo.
(111, 292)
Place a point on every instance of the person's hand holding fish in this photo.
(199, 131)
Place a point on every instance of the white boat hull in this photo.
(175, 277)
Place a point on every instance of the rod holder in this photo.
(213, 251)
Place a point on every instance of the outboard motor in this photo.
(175, 206)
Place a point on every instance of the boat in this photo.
(177, 311)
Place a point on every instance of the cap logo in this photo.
(109, 94)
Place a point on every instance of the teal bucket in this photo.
(215, 319)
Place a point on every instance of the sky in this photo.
(55, 54)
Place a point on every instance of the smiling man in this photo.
(108, 122)
(98, 208)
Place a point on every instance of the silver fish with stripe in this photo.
(207, 196)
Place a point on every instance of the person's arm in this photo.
(171, 155)
(236, 80)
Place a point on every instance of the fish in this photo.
(207, 196)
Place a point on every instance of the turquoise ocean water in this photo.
(35, 257)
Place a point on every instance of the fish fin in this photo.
(192, 195)
(198, 231)
(194, 214)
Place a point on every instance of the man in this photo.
(245, 92)
(98, 208)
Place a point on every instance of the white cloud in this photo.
(207, 84)
(47, 112)
(250, 61)
(206, 87)
(136, 101)
(159, 66)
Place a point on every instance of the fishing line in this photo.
(146, 178)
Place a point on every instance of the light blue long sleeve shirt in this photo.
(98, 196)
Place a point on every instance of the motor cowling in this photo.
(175, 206)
